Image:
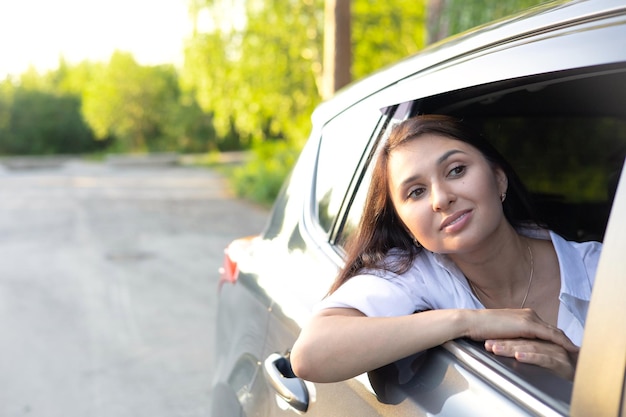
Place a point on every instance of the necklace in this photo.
(530, 279)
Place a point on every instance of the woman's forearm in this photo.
(335, 347)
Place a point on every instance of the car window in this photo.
(342, 145)
(565, 138)
(353, 215)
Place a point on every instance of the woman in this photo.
(447, 232)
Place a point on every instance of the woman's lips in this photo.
(455, 221)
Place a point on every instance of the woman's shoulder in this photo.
(427, 284)
(422, 263)
(586, 250)
(375, 293)
(429, 273)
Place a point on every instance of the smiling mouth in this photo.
(452, 220)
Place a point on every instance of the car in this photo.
(549, 88)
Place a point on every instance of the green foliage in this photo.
(118, 106)
(6, 102)
(35, 120)
(384, 32)
(262, 177)
(130, 102)
(461, 15)
(259, 79)
(44, 123)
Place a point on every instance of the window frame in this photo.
(326, 239)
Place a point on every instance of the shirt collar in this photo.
(575, 290)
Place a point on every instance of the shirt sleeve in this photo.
(372, 295)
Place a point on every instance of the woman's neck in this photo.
(500, 271)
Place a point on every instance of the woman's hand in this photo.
(536, 352)
(503, 324)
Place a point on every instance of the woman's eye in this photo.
(457, 171)
(415, 193)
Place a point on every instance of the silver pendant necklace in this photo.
(530, 280)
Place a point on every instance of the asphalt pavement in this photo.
(108, 278)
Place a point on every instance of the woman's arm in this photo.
(340, 343)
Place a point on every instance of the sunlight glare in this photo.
(39, 32)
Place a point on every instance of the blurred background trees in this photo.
(253, 73)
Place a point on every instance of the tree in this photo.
(261, 78)
(43, 113)
(73, 79)
(337, 48)
(130, 102)
(40, 122)
(264, 76)
(7, 90)
(384, 32)
(437, 27)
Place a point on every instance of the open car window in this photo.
(565, 135)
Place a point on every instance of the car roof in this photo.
(537, 20)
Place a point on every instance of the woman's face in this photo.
(446, 193)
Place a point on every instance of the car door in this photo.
(308, 268)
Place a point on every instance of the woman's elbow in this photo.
(302, 362)
(314, 354)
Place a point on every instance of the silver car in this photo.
(549, 88)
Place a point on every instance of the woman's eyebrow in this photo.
(447, 155)
(441, 159)
(408, 181)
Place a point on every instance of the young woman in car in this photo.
(447, 233)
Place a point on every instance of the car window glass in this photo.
(342, 144)
(353, 216)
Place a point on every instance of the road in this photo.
(108, 286)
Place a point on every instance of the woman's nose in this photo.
(441, 197)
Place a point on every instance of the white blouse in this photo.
(435, 282)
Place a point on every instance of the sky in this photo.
(39, 32)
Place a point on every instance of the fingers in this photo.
(545, 354)
(515, 323)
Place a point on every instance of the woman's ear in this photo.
(501, 180)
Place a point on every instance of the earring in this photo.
(502, 197)
(416, 243)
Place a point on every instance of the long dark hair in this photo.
(380, 229)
